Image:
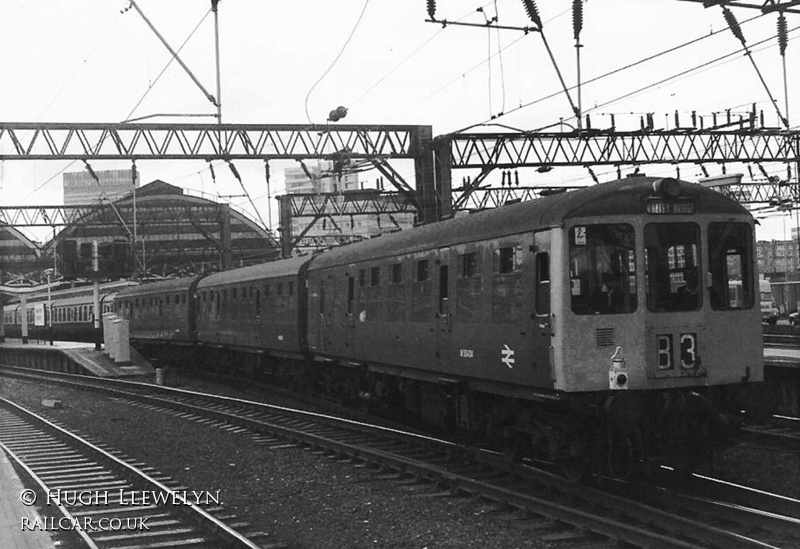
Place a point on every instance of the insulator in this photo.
(594, 176)
(783, 38)
(337, 114)
(577, 17)
(733, 24)
(234, 171)
(533, 12)
(211, 169)
(432, 9)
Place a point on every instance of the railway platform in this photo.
(13, 514)
(784, 357)
(71, 357)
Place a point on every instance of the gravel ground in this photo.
(304, 500)
(312, 502)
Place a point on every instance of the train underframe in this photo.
(622, 434)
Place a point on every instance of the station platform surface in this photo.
(85, 354)
(12, 513)
(782, 356)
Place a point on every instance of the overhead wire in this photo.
(80, 65)
(607, 74)
(408, 57)
(481, 63)
(500, 59)
(171, 59)
(707, 64)
(336, 59)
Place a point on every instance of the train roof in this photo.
(161, 286)
(285, 267)
(62, 293)
(621, 197)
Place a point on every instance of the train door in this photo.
(443, 317)
(327, 306)
(542, 317)
(351, 317)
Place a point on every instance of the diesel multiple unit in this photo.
(609, 328)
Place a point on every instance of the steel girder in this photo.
(775, 194)
(765, 6)
(101, 215)
(102, 141)
(321, 205)
(504, 150)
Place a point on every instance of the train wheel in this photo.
(620, 460)
(576, 469)
(515, 446)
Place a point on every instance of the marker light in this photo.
(667, 187)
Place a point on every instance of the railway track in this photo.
(109, 502)
(559, 510)
(791, 341)
(781, 433)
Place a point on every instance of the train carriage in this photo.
(610, 303)
(595, 327)
(162, 311)
(260, 307)
(72, 311)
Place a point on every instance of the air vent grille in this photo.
(604, 337)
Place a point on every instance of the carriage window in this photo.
(397, 273)
(422, 270)
(375, 276)
(507, 260)
(730, 258)
(672, 267)
(602, 269)
(469, 265)
(351, 293)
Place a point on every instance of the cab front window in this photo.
(730, 257)
(672, 267)
(602, 269)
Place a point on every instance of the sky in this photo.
(292, 62)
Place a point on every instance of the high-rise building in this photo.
(83, 188)
(318, 178)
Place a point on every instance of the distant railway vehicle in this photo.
(597, 329)
(787, 298)
(769, 309)
(72, 310)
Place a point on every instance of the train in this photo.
(72, 311)
(597, 329)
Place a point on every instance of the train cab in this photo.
(647, 301)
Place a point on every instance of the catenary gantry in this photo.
(433, 195)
